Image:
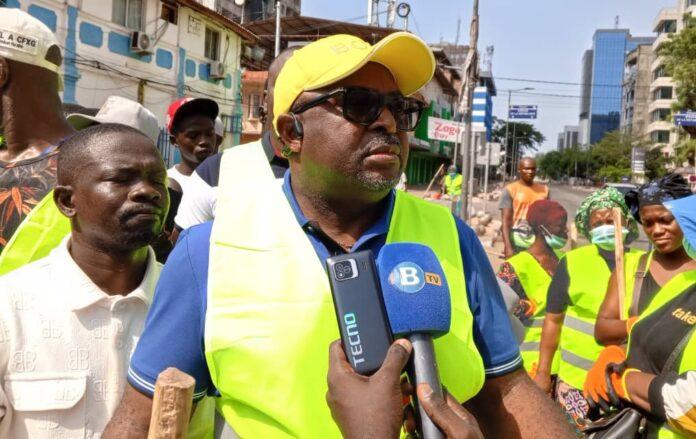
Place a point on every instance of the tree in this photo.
(679, 58)
(655, 164)
(526, 137)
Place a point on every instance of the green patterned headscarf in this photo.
(606, 198)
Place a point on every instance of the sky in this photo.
(533, 39)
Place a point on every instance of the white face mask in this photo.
(603, 236)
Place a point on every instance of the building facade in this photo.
(254, 10)
(149, 51)
(635, 116)
(568, 138)
(604, 87)
(662, 95)
(585, 97)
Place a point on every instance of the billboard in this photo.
(444, 130)
(685, 119)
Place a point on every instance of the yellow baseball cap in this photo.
(333, 58)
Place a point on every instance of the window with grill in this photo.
(212, 44)
(128, 13)
(660, 114)
(661, 136)
(662, 93)
(254, 110)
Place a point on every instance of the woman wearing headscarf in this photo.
(574, 297)
(529, 273)
(657, 373)
(653, 270)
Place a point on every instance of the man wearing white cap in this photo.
(120, 110)
(34, 127)
(244, 305)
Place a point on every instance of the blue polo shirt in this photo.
(174, 328)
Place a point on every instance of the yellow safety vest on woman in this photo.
(40, 232)
(453, 186)
(535, 281)
(589, 277)
(679, 284)
(270, 316)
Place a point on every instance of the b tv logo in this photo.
(409, 277)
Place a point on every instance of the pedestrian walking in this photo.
(514, 204)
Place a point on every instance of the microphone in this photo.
(417, 300)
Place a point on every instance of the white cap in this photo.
(120, 110)
(219, 128)
(25, 39)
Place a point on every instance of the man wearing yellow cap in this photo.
(243, 304)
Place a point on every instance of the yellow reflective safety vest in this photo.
(535, 281)
(40, 232)
(453, 186)
(589, 278)
(270, 316)
(671, 290)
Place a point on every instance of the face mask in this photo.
(603, 236)
(689, 249)
(452, 174)
(554, 241)
(523, 240)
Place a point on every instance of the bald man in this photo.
(514, 203)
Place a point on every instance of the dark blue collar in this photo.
(379, 227)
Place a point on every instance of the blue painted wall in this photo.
(72, 75)
(164, 58)
(12, 3)
(91, 34)
(120, 44)
(46, 16)
(190, 68)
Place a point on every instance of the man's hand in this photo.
(543, 380)
(365, 406)
(508, 252)
(453, 419)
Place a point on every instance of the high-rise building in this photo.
(609, 48)
(585, 96)
(662, 95)
(568, 138)
(635, 117)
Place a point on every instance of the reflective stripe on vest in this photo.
(589, 278)
(453, 186)
(671, 290)
(270, 316)
(535, 281)
(40, 232)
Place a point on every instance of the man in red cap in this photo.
(191, 126)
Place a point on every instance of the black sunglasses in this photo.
(363, 106)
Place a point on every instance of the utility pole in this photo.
(391, 13)
(470, 80)
(277, 28)
(372, 7)
(507, 136)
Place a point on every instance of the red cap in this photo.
(204, 106)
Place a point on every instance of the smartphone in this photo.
(360, 311)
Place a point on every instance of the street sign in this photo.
(685, 119)
(523, 112)
(444, 130)
(638, 160)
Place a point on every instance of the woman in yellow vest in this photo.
(529, 273)
(657, 374)
(573, 300)
(652, 271)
